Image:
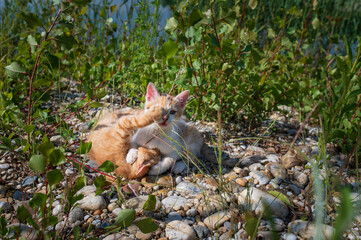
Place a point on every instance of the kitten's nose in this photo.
(165, 118)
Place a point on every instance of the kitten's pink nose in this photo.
(165, 118)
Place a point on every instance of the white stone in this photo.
(177, 230)
(174, 201)
(188, 189)
(92, 203)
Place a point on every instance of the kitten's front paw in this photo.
(156, 112)
(132, 155)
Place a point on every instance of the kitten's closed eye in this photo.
(173, 112)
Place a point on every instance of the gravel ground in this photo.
(194, 202)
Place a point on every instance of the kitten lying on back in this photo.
(172, 131)
(111, 140)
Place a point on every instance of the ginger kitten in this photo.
(171, 134)
(111, 140)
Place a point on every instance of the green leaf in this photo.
(113, 8)
(251, 225)
(32, 42)
(99, 183)
(22, 213)
(57, 157)
(347, 124)
(82, 3)
(54, 177)
(95, 104)
(39, 200)
(84, 148)
(281, 197)
(125, 218)
(79, 183)
(31, 19)
(29, 128)
(195, 17)
(14, 70)
(147, 225)
(169, 49)
(37, 163)
(316, 23)
(107, 166)
(252, 4)
(171, 25)
(214, 40)
(50, 221)
(83, 10)
(150, 203)
(46, 148)
(66, 41)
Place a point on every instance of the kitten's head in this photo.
(147, 158)
(173, 105)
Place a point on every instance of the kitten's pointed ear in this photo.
(152, 92)
(183, 97)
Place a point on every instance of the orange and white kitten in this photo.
(111, 140)
(170, 134)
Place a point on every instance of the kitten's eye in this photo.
(173, 112)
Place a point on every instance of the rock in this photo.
(4, 166)
(225, 236)
(291, 159)
(216, 220)
(278, 171)
(56, 210)
(273, 158)
(178, 230)
(92, 203)
(289, 236)
(267, 235)
(57, 139)
(253, 150)
(230, 176)
(261, 178)
(260, 198)
(249, 160)
(241, 181)
(112, 206)
(115, 236)
(301, 178)
(3, 190)
(178, 179)
(116, 211)
(87, 191)
(77, 214)
(188, 189)
(294, 189)
(137, 203)
(191, 212)
(143, 236)
(174, 202)
(173, 216)
(307, 230)
(179, 167)
(165, 181)
(202, 231)
(149, 181)
(256, 167)
(21, 231)
(210, 205)
(5, 206)
(21, 196)
(29, 181)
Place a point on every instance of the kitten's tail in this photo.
(209, 153)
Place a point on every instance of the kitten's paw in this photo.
(162, 166)
(132, 155)
(156, 112)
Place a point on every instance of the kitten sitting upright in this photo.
(111, 140)
(171, 134)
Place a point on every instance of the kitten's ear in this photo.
(152, 92)
(182, 98)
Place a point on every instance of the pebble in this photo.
(4, 166)
(216, 220)
(278, 171)
(173, 216)
(92, 203)
(77, 214)
(289, 236)
(307, 230)
(258, 198)
(56, 210)
(29, 181)
(165, 181)
(5, 206)
(301, 178)
(189, 189)
(114, 236)
(260, 177)
(177, 230)
(202, 231)
(249, 160)
(191, 212)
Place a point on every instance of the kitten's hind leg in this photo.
(162, 166)
(132, 155)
